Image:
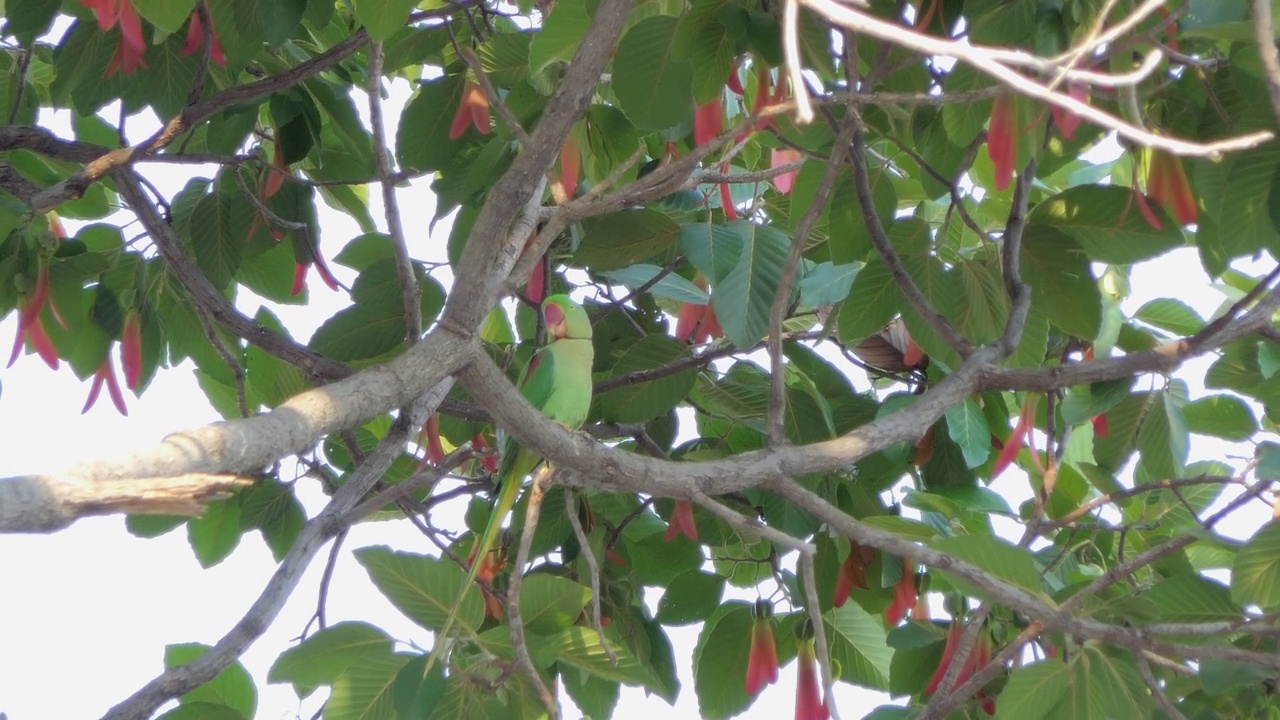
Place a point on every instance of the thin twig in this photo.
(536, 493)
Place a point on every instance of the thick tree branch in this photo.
(47, 503)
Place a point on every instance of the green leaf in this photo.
(366, 689)
(1104, 221)
(595, 697)
(202, 711)
(643, 401)
(558, 38)
(1255, 575)
(1063, 288)
(422, 137)
(857, 641)
(29, 20)
(232, 687)
(1163, 439)
(580, 647)
(743, 298)
(423, 588)
(1224, 416)
(671, 286)
(321, 658)
(691, 597)
(216, 533)
(505, 58)
(905, 528)
(1083, 402)
(653, 88)
(549, 604)
(1190, 598)
(168, 15)
(827, 284)
(1010, 563)
(873, 301)
(382, 18)
(968, 427)
(1034, 690)
(272, 508)
(719, 659)
(713, 249)
(616, 240)
(220, 224)
(1173, 315)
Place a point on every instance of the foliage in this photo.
(936, 268)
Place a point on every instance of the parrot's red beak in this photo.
(554, 315)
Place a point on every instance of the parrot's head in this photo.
(566, 319)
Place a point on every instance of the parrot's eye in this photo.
(554, 314)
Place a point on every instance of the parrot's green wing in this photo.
(558, 382)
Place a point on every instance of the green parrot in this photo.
(557, 382)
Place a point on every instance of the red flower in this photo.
(809, 705)
(31, 327)
(535, 291)
(904, 595)
(697, 323)
(106, 374)
(708, 122)
(1002, 139)
(429, 437)
(681, 522)
(490, 460)
(978, 658)
(132, 46)
(1010, 449)
(785, 182)
(853, 572)
(1167, 184)
(1065, 120)
(733, 83)
(305, 254)
(473, 110)
(195, 38)
(131, 349)
(493, 563)
(762, 663)
(570, 166)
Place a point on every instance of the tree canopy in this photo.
(846, 264)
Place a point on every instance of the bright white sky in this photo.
(87, 611)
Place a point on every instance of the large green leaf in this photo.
(1173, 315)
(1224, 416)
(559, 36)
(642, 401)
(873, 300)
(423, 588)
(422, 138)
(1255, 575)
(721, 653)
(382, 18)
(273, 509)
(616, 240)
(857, 642)
(654, 89)
(549, 603)
(232, 687)
(1063, 288)
(1104, 220)
(1191, 598)
(744, 296)
(713, 249)
(670, 285)
(216, 533)
(1010, 563)
(580, 647)
(366, 689)
(691, 597)
(1163, 439)
(168, 15)
(321, 658)
(968, 427)
(1034, 690)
